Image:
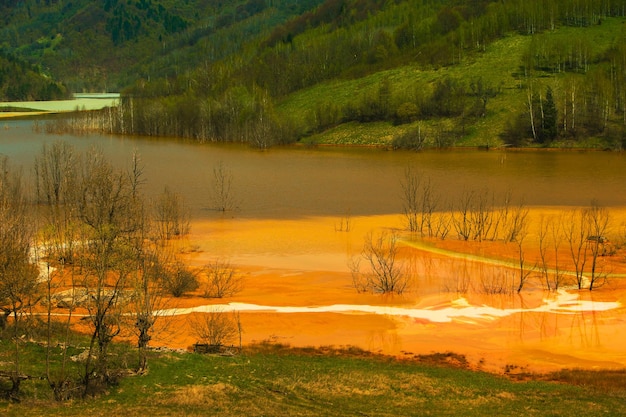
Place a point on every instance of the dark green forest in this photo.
(402, 74)
(21, 81)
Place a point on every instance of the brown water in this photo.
(297, 181)
(283, 238)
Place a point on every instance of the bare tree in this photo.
(598, 219)
(556, 229)
(576, 235)
(60, 380)
(411, 200)
(171, 217)
(481, 217)
(221, 279)
(530, 102)
(56, 171)
(463, 219)
(385, 274)
(112, 219)
(543, 249)
(55, 184)
(550, 236)
(177, 278)
(155, 263)
(524, 270)
(359, 280)
(430, 202)
(501, 216)
(222, 192)
(19, 289)
(147, 301)
(419, 202)
(443, 224)
(517, 220)
(216, 328)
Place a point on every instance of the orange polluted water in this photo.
(298, 290)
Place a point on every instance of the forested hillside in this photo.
(407, 74)
(20, 81)
(105, 45)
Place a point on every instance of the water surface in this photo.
(298, 181)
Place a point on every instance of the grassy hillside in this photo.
(499, 65)
(409, 74)
(404, 74)
(271, 380)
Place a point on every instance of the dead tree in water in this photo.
(598, 220)
(385, 274)
(420, 202)
(576, 235)
(223, 195)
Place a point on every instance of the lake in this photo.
(283, 239)
(326, 181)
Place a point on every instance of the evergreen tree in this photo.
(549, 119)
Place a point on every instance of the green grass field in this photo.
(275, 381)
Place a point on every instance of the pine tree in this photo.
(549, 119)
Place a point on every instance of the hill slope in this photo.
(20, 81)
(404, 74)
(104, 46)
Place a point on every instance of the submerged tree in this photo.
(171, 216)
(221, 279)
(384, 274)
(222, 188)
(419, 202)
(598, 220)
(524, 270)
(576, 234)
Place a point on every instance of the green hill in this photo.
(20, 81)
(106, 45)
(402, 74)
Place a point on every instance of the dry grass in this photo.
(601, 381)
(212, 395)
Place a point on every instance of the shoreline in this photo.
(17, 115)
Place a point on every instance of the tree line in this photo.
(572, 247)
(578, 238)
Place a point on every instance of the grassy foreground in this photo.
(282, 382)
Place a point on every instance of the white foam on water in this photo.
(563, 303)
